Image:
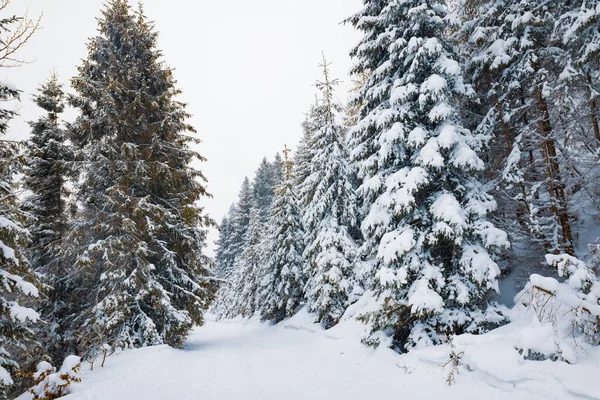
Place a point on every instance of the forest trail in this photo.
(231, 360)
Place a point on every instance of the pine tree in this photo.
(242, 299)
(426, 229)
(46, 174)
(224, 257)
(576, 100)
(514, 60)
(282, 287)
(16, 277)
(578, 25)
(263, 186)
(140, 273)
(17, 280)
(241, 219)
(329, 215)
(278, 174)
(303, 156)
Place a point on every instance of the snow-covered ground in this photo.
(230, 360)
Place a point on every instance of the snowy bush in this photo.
(568, 312)
(50, 384)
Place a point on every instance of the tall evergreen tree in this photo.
(241, 218)
(278, 173)
(141, 274)
(16, 276)
(426, 228)
(17, 280)
(329, 215)
(224, 257)
(263, 186)
(282, 285)
(578, 26)
(303, 156)
(46, 174)
(242, 299)
(514, 61)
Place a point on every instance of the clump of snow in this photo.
(21, 313)
(50, 384)
(566, 314)
(395, 244)
(423, 299)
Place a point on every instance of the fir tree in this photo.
(15, 273)
(514, 61)
(303, 156)
(263, 186)
(329, 215)
(16, 277)
(277, 168)
(282, 286)
(242, 300)
(224, 257)
(426, 228)
(47, 160)
(578, 25)
(241, 218)
(141, 275)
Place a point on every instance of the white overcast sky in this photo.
(246, 68)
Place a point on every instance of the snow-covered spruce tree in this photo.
(243, 296)
(426, 228)
(45, 176)
(17, 280)
(16, 277)
(515, 61)
(47, 170)
(578, 26)
(278, 173)
(140, 273)
(282, 279)
(329, 215)
(303, 155)
(263, 186)
(575, 104)
(46, 173)
(224, 257)
(241, 219)
(239, 222)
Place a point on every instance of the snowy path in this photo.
(296, 360)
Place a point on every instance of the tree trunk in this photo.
(556, 187)
(509, 147)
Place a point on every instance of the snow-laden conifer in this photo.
(48, 161)
(515, 61)
(241, 218)
(224, 257)
(231, 248)
(142, 278)
(16, 277)
(329, 214)
(243, 294)
(48, 166)
(282, 279)
(426, 229)
(17, 280)
(303, 155)
(263, 186)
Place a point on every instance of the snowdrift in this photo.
(297, 359)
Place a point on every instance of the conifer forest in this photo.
(431, 232)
